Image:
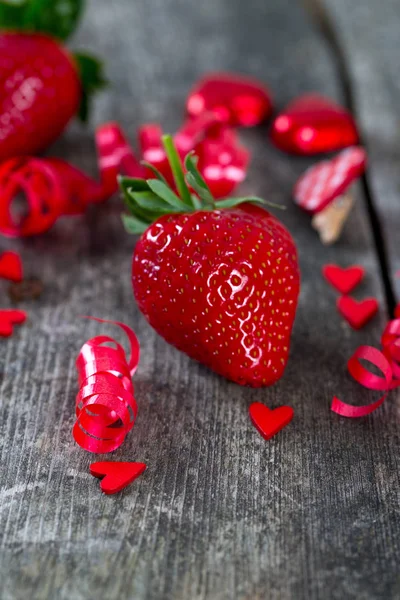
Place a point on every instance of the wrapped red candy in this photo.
(313, 124)
(324, 190)
(236, 99)
(105, 405)
(223, 161)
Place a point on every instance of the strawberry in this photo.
(42, 85)
(218, 282)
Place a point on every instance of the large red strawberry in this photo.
(42, 85)
(219, 282)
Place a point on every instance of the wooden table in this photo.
(220, 513)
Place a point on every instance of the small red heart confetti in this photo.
(269, 422)
(8, 318)
(343, 279)
(327, 180)
(236, 99)
(116, 476)
(11, 266)
(312, 124)
(357, 314)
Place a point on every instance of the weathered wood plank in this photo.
(368, 33)
(220, 514)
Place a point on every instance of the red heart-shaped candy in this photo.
(270, 422)
(344, 280)
(116, 475)
(11, 266)
(357, 314)
(8, 318)
(312, 124)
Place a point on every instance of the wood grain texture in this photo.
(368, 33)
(219, 514)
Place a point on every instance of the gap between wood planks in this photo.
(320, 16)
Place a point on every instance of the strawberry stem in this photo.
(177, 170)
(149, 199)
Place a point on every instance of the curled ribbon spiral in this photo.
(387, 361)
(105, 405)
(53, 187)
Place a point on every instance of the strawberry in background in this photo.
(42, 85)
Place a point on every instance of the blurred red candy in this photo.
(223, 162)
(237, 100)
(313, 124)
(194, 130)
(152, 150)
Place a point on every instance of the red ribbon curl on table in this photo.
(387, 361)
(53, 187)
(105, 405)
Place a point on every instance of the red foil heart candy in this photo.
(236, 99)
(313, 124)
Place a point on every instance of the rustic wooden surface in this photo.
(368, 33)
(220, 513)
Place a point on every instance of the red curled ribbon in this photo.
(52, 187)
(387, 361)
(391, 348)
(105, 404)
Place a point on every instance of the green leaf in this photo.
(128, 186)
(57, 18)
(151, 202)
(208, 200)
(91, 73)
(165, 192)
(133, 224)
(154, 170)
(231, 202)
(177, 170)
(196, 202)
(132, 183)
(196, 181)
(12, 14)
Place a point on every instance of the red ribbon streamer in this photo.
(387, 361)
(105, 404)
(52, 187)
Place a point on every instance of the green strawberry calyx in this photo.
(149, 199)
(58, 19)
